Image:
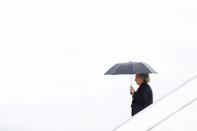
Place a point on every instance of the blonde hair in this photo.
(145, 77)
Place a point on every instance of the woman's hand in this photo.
(132, 90)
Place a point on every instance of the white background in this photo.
(53, 56)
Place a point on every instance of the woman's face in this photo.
(138, 80)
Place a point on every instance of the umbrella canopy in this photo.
(130, 68)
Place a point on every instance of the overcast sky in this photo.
(53, 56)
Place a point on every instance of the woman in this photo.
(143, 97)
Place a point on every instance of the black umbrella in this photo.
(130, 68)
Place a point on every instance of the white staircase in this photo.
(168, 113)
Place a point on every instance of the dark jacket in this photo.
(142, 98)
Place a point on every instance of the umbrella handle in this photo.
(131, 84)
